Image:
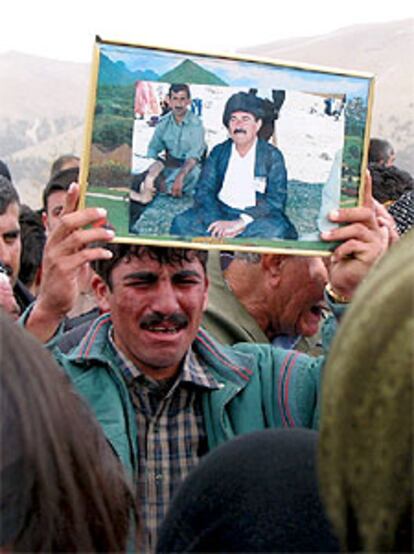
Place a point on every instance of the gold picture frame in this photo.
(309, 155)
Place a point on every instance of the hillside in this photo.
(42, 110)
(385, 49)
(43, 101)
(117, 73)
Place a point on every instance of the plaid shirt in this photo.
(171, 435)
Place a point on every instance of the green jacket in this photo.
(260, 387)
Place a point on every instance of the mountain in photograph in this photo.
(117, 73)
(190, 72)
(44, 101)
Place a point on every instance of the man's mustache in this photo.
(236, 131)
(177, 320)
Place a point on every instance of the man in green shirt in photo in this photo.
(177, 146)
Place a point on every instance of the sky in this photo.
(66, 30)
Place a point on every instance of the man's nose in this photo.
(165, 299)
(4, 253)
(319, 271)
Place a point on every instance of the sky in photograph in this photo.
(66, 30)
(238, 74)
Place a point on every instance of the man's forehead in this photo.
(148, 263)
(296, 262)
(180, 94)
(304, 266)
(9, 220)
(57, 195)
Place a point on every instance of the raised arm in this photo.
(364, 239)
(66, 252)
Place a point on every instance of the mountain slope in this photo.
(37, 87)
(117, 73)
(384, 49)
(43, 101)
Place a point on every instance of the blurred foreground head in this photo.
(366, 439)
(255, 493)
(61, 487)
(381, 152)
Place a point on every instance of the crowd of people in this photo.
(158, 399)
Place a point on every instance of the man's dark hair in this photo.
(59, 164)
(380, 151)
(33, 238)
(271, 110)
(163, 255)
(60, 181)
(8, 194)
(389, 183)
(4, 170)
(178, 87)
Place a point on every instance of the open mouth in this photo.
(310, 320)
(166, 326)
(165, 330)
(318, 310)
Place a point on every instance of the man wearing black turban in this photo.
(242, 189)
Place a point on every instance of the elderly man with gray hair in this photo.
(267, 298)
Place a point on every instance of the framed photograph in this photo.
(225, 152)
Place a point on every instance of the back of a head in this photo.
(62, 490)
(8, 194)
(366, 442)
(66, 161)
(255, 493)
(380, 151)
(389, 183)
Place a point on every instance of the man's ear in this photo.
(272, 267)
(45, 220)
(259, 123)
(205, 299)
(101, 292)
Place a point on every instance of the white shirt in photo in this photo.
(239, 185)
